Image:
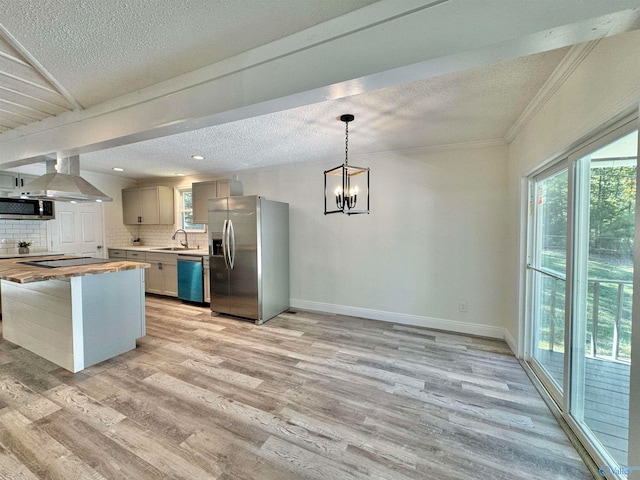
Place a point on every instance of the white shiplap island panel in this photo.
(78, 321)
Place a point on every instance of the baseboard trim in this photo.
(513, 345)
(404, 319)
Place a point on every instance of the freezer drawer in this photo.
(190, 285)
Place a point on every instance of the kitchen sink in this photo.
(175, 249)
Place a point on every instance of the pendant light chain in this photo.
(346, 143)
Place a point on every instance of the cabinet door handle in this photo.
(139, 219)
(159, 266)
(16, 181)
(22, 182)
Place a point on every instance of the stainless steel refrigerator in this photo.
(249, 257)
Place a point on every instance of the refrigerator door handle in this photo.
(232, 252)
(225, 239)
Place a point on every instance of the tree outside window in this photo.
(186, 212)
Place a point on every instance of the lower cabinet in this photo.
(162, 277)
(137, 256)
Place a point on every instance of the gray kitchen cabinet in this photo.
(134, 256)
(152, 205)
(163, 274)
(9, 181)
(203, 191)
(155, 284)
(170, 278)
(138, 256)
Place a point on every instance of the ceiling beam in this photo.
(386, 43)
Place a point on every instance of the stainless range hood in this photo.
(63, 185)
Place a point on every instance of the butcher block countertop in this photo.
(13, 270)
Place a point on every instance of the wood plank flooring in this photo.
(304, 396)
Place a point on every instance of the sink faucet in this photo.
(185, 244)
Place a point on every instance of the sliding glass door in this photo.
(603, 284)
(548, 268)
(580, 288)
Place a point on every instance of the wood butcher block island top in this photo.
(15, 270)
(74, 316)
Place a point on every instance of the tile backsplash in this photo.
(121, 235)
(36, 232)
(152, 236)
(14, 231)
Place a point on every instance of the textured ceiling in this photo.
(475, 105)
(87, 55)
(26, 96)
(126, 45)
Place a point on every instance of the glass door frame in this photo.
(531, 269)
(624, 125)
(634, 381)
(576, 275)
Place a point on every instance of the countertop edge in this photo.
(12, 270)
(198, 252)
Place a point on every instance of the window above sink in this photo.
(185, 208)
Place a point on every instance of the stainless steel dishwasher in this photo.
(190, 286)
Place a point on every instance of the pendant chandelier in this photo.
(346, 183)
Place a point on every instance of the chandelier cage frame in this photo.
(345, 196)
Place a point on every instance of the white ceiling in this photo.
(84, 58)
(474, 105)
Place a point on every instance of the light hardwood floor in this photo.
(304, 396)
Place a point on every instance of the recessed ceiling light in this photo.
(179, 174)
(117, 169)
(197, 157)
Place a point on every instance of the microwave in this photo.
(23, 209)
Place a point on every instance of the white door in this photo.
(78, 229)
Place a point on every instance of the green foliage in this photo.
(612, 211)
(187, 213)
(552, 205)
(612, 192)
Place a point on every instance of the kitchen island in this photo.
(74, 316)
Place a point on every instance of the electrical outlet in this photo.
(462, 306)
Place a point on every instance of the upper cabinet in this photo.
(203, 191)
(151, 205)
(9, 181)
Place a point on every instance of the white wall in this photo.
(435, 237)
(604, 85)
